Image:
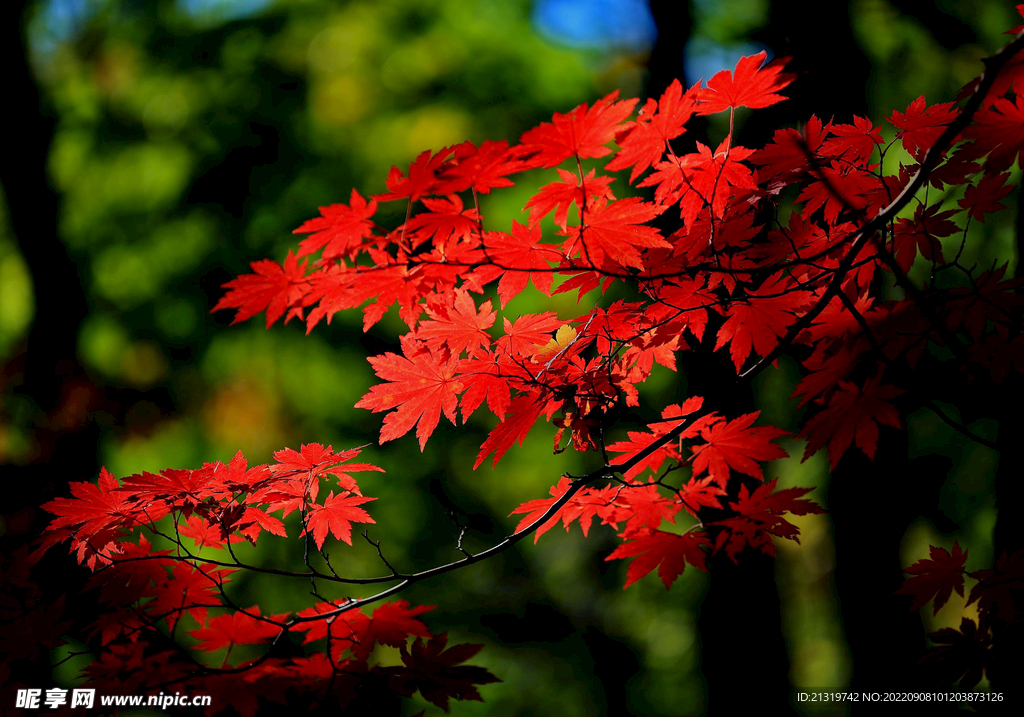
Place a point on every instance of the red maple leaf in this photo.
(839, 188)
(999, 591)
(394, 622)
(337, 515)
(584, 507)
(787, 155)
(237, 628)
(180, 489)
(638, 441)
(238, 477)
(312, 460)
(272, 288)
(617, 230)
(582, 132)
(190, 589)
(460, 327)
(438, 673)
(480, 168)
(95, 515)
(446, 220)
(850, 414)
(983, 198)
(736, 445)
(920, 126)
(855, 142)
(562, 194)
(421, 180)
(759, 516)
(252, 522)
(646, 507)
(644, 142)
(520, 257)
(997, 131)
(204, 533)
(923, 233)
(420, 388)
(523, 412)
(528, 331)
(131, 576)
(343, 630)
(750, 86)
(391, 624)
(703, 179)
(701, 493)
(671, 417)
(668, 552)
(340, 230)
(485, 380)
(972, 309)
(759, 322)
(535, 509)
(936, 577)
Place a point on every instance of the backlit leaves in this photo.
(757, 251)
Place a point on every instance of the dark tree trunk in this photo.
(740, 618)
(1008, 538)
(885, 639)
(46, 376)
(832, 71)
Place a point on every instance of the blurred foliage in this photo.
(194, 135)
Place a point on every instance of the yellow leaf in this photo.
(563, 337)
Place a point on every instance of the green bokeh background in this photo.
(188, 144)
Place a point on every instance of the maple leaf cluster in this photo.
(735, 273)
(777, 249)
(965, 654)
(144, 592)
